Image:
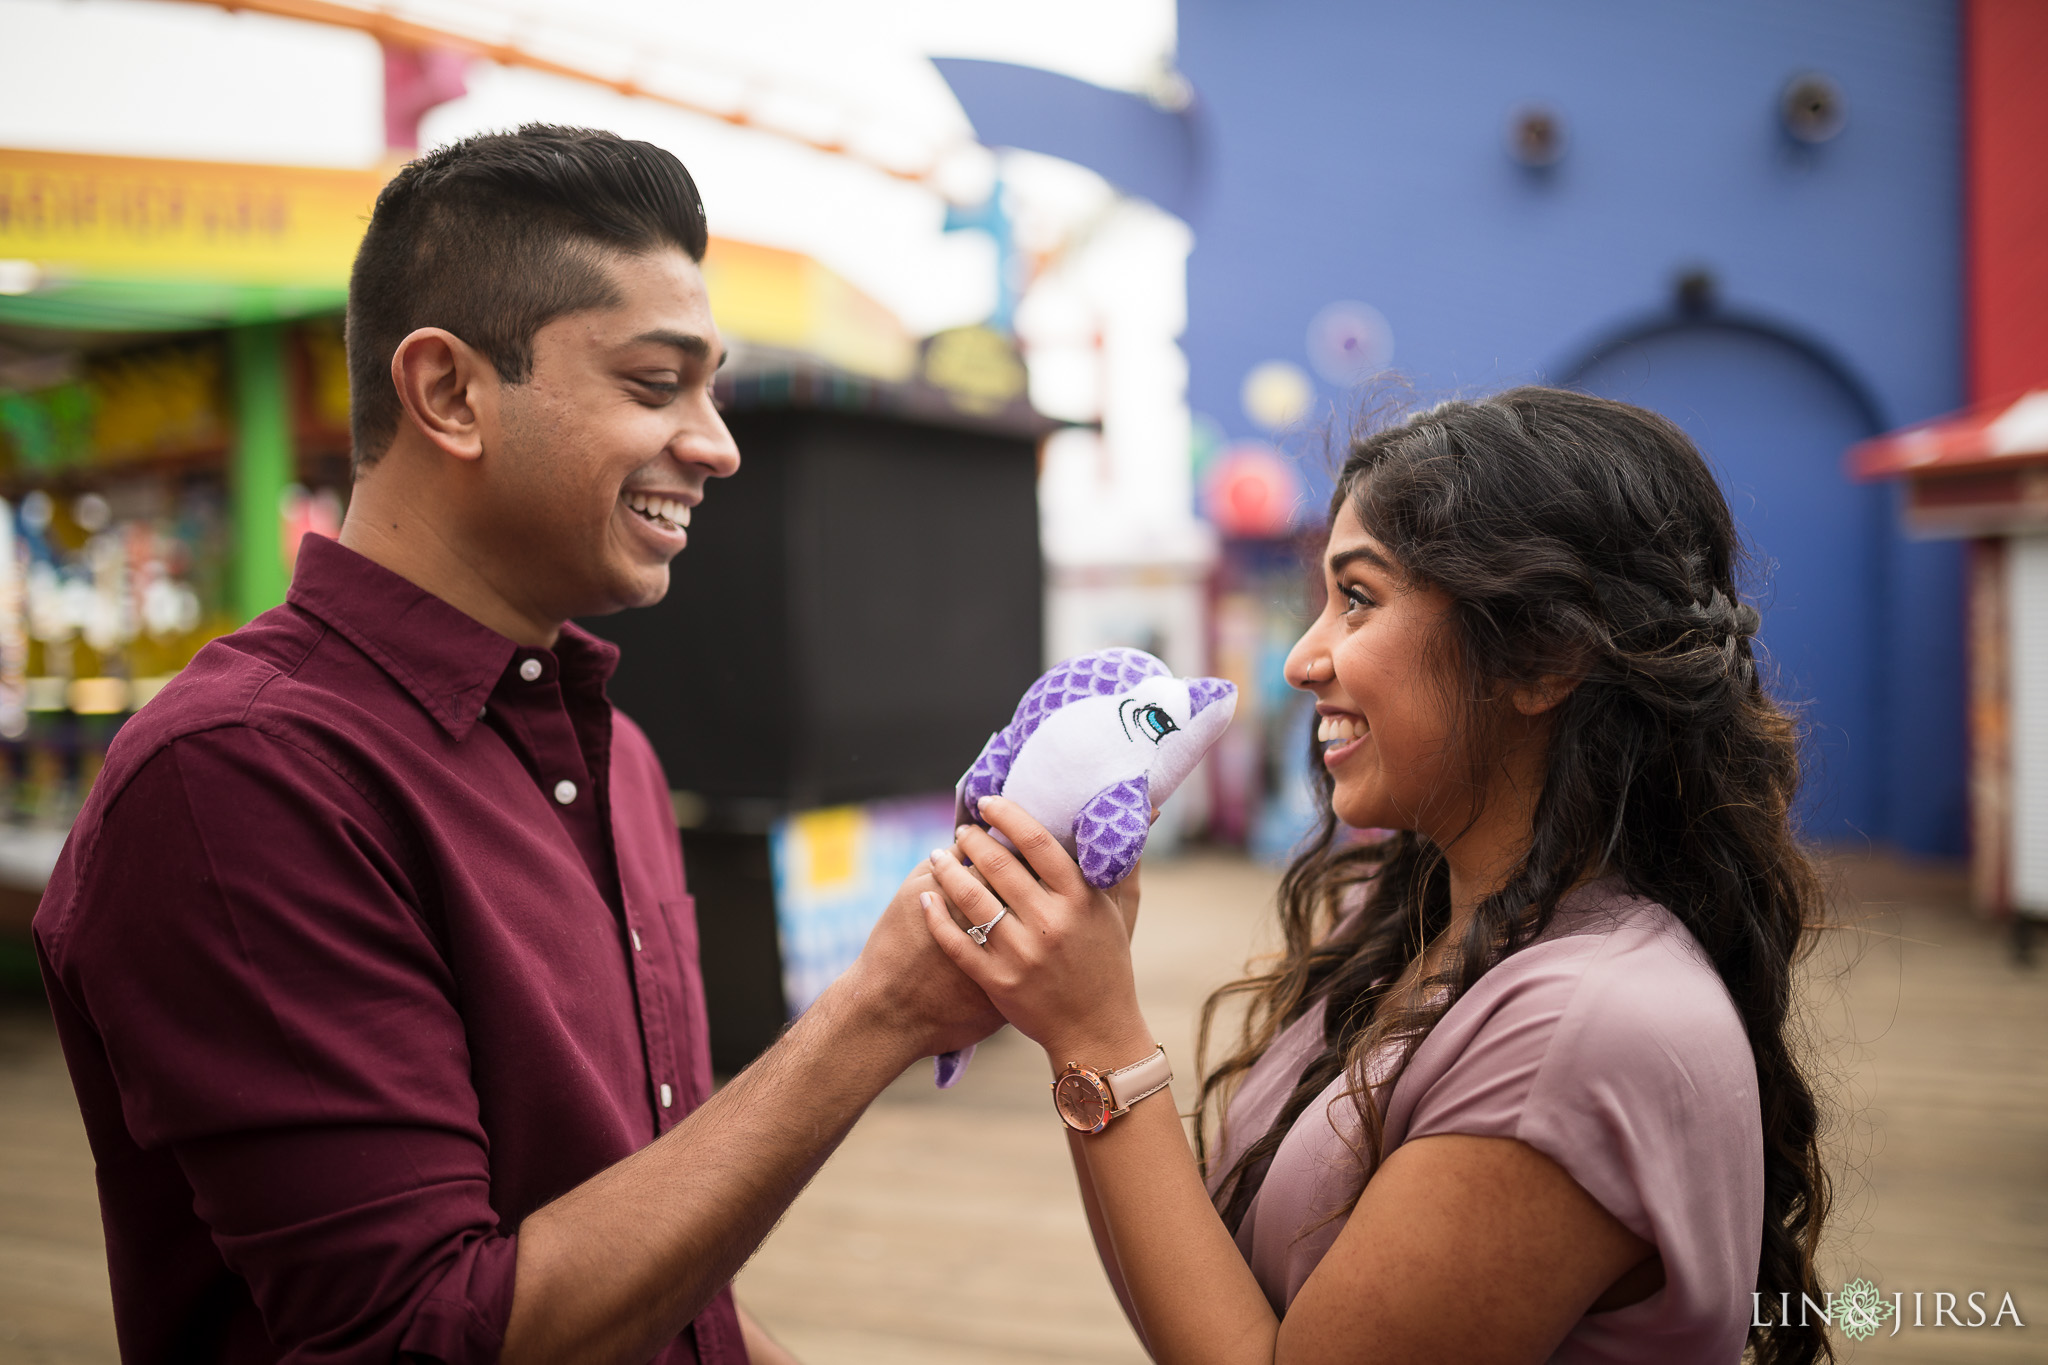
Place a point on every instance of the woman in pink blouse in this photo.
(1520, 1086)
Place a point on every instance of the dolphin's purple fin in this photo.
(1110, 831)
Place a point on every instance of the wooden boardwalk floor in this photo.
(947, 1229)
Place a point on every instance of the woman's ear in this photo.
(441, 381)
(1533, 699)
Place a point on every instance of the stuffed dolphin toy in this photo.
(1096, 743)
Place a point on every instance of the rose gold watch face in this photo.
(1079, 1099)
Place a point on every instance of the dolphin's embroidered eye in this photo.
(1154, 722)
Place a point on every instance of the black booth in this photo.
(858, 607)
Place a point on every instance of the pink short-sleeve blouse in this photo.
(1611, 1046)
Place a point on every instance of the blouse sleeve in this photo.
(1621, 1058)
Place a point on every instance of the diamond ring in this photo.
(979, 932)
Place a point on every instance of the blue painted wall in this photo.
(1358, 151)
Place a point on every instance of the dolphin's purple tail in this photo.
(949, 1067)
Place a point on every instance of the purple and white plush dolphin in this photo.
(1096, 743)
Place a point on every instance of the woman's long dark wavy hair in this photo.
(1584, 538)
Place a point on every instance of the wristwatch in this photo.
(1087, 1099)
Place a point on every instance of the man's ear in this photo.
(444, 386)
(1533, 699)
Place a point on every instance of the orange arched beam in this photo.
(389, 28)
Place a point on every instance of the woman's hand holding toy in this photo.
(1058, 963)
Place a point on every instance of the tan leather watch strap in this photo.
(1129, 1084)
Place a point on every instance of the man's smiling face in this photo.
(596, 462)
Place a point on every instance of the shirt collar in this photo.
(446, 659)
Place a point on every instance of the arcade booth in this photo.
(173, 416)
(1982, 475)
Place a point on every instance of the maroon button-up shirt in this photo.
(371, 940)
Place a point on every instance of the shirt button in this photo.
(565, 792)
(636, 939)
(530, 670)
(668, 1096)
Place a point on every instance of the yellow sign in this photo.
(76, 215)
(772, 297)
(977, 366)
(830, 841)
(79, 219)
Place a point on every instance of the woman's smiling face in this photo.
(1378, 661)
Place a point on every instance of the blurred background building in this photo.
(1047, 320)
(1744, 215)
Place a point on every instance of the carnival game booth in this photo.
(173, 416)
(1982, 475)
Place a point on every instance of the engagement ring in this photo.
(979, 932)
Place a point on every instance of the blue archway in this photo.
(1773, 412)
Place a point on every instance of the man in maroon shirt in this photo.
(371, 953)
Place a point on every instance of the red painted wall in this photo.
(2005, 84)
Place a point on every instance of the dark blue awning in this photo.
(1127, 139)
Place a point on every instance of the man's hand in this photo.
(910, 987)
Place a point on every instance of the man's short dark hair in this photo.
(495, 236)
